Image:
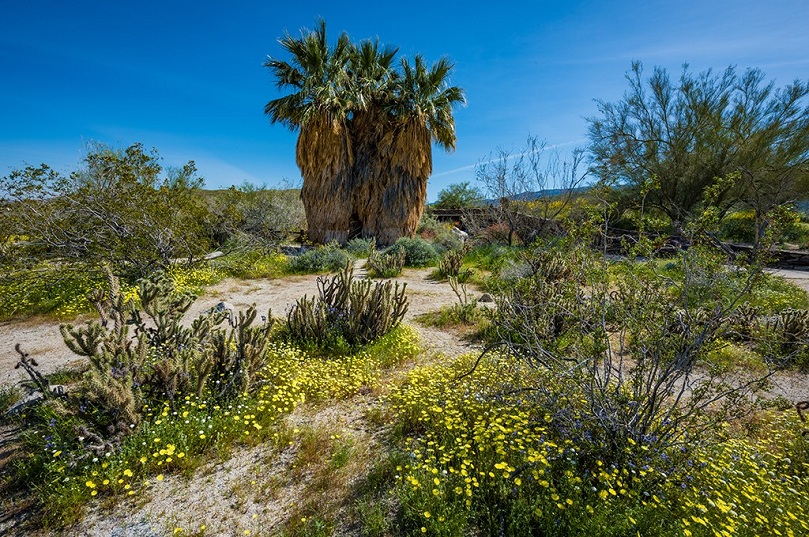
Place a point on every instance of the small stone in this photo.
(486, 297)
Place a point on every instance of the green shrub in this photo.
(741, 227)
(418, 252)
(252, 264)
(59, 290)
(797, 232)
(325, 258)
(360, 247)
(386, 265)
(710, 280)
(738, 227)
(491, 256)
(728, 356)
(773, 294)
(616, 336)
(428, 226)
(119, 208)
(439, 233)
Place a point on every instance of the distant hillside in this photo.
(208, 193)
(539, 194)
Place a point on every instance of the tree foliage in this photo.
(671, 139)
(119, 209)
(258, 216)
(459, 196)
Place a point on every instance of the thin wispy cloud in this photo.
(792, 63)
(508, 157)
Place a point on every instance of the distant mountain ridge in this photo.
(539, 194)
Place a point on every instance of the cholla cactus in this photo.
(386, 265)
(792, 326)
(466, 307)
(117, 360)
(550, 264)
(160, 358)
(452, 263)
(357, 312)
(787, 337)
(234, 357)
(743, 321)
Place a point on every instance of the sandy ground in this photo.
(42, 340)
(256, 489)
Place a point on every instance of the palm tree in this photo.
(320, 107)
(364, 148)
(419, 114)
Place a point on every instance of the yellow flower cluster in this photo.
(46, 289)
(341, 376)
(749, 487)
(474, 452)
(471, 448)
(193, 279)
(257, 265)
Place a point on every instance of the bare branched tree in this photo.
(622, 346)
(530, 189)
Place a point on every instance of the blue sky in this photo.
(187, 77)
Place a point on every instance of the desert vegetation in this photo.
(607, 386)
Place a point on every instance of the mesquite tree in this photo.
(669, 140)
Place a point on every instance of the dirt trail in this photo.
(42, 340)
(798, 277)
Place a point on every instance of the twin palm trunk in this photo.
(364, 180)
(325, 160)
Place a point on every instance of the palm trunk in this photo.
(325, 159)
(367, 178)
(405, 158)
